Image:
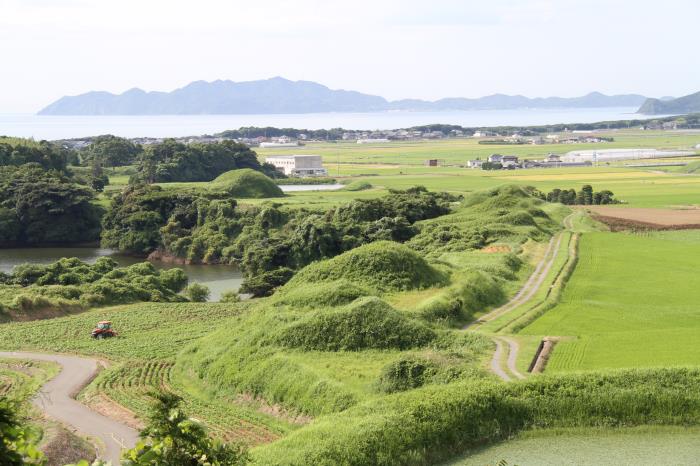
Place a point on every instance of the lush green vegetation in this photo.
(268, 242)
(49, 156)
(70, 284)
(40, 207)
(245, 183)
(171, 437)
(585, 196)
(173, 161)
(592, 447)
(629, 303)
(429, 424)
(110, 151)
(383, 265)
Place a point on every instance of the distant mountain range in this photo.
(279, 95)
(686, 104)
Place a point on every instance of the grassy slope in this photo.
(150, 335)
(632, 302)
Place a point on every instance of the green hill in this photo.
(686, 104)
(383, 265)
(247, 183)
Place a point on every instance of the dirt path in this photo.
(531, 286)
(57, 399)
(496, 367)
(513, 349)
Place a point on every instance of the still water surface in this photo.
(218, 278)
(60, 127)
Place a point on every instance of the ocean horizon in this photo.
(65, 127)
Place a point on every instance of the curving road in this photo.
(57, 399)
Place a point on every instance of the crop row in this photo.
(130, 384)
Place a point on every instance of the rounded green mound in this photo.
(330, 294)
(358, 186)
(367, 323)
(382, 265)
(247, 183)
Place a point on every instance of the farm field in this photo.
(458, 151)
(642, 446)
(631, 302)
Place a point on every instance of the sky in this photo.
(393, 48)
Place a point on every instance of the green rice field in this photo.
(631, 302)
(592, 447)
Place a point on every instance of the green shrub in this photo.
(246, 183)
(230, 297)
(358, 186)
(406, 373)
(267, 282)
(197, 293)
(366, 323)
(383, 265)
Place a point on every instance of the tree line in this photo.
(585, 196)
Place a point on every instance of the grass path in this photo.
(509, 346)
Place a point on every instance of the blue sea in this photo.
(62, 127)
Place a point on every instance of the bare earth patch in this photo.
(495, 249)
(630, 218)
(273, 409)
(104, 405)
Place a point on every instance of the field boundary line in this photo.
(528, 290)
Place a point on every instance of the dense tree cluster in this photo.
(48, 155)
(268, 242)
(585, 196)
(42, 207)
(136, 215)
(174, 161)
(71, 281)
(110, 151)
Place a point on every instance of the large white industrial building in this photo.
(609, 155)
(298, 165)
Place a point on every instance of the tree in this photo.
(174, 161)
(17, 442)
(587, 194)
(41, 207)
(171, 438)
(111, 151)
(197, 293)
(98, 179)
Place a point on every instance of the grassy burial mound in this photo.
(364, 324)
(247, 183)
(327, 294)
(383, 265)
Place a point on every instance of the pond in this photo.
(290, 188)
(218, 278)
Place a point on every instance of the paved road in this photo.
(56, 399)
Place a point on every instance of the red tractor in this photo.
(103, 330)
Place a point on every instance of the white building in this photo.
(372, 140)
(608, 155)
(279, 144)
(298, 165)
(475, 163)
